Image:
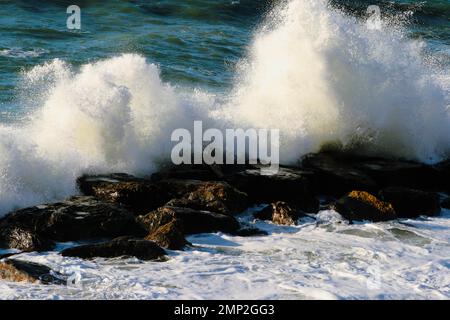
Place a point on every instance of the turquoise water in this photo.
(196, 43)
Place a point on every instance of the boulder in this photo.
(77, 218)
(191, 221)
(201, 172)
(22, 239)
(361, 205)
(250, 232)
(215, 196)
(443, 168)
(446, 203)
(280, 213)
(138, 195)
(119, 247)
(340, 172)
(169, 236)
(386, 173)
(289, 184)
(334, 175)
(24, 271)
(411, 203)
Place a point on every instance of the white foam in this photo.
(328, 260)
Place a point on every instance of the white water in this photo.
(327, 259)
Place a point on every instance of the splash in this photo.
(320, 75)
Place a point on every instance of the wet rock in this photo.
(191, 221)
(411, 203)
(188, 172)
(119, 247)
(22, 239)
(215, 196)
(446, 203)
(289, 184)
(76, 218)
(340, 172)
(138, 195)
(280, 213)
(250, 232)
(410, 174)
(24, 271)
(169, 236)
(334, 175)
(264, 213)
(443, 169)
(361, 205)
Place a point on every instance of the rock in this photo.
(446, 203)
(169, 236)
(289, 184)
(386, 173)
(24, 271)
(22, 239)
(77, 218)
(250, 232)
(335, 176)
(187, 172)
(361, 205)
(340, 172)
(215, 196)
(280, 213)
(411, 203)
(119, 247)
(443, 169)
(264, 213)
(138, 195)
(191, 221)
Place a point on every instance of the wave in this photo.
(311, 71)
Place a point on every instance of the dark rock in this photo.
(169, 236)
(250, 232)
(361, 205)
(280, 213)
(289, 184)
(138, 195)
(264, 213)
(23, 271)
(410, 203)
(191, 221)
(340, 172)
(22, 239)
(119, 247)
(188, 172)
(446, 203)
(410, 174)
(443, 168)
(335, 176)
(215, 196)
(77, 218)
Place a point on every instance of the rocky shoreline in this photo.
(122, 215)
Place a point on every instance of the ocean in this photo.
(105, 98)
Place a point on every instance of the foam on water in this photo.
(323, 259)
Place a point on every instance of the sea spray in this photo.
(321, 76)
